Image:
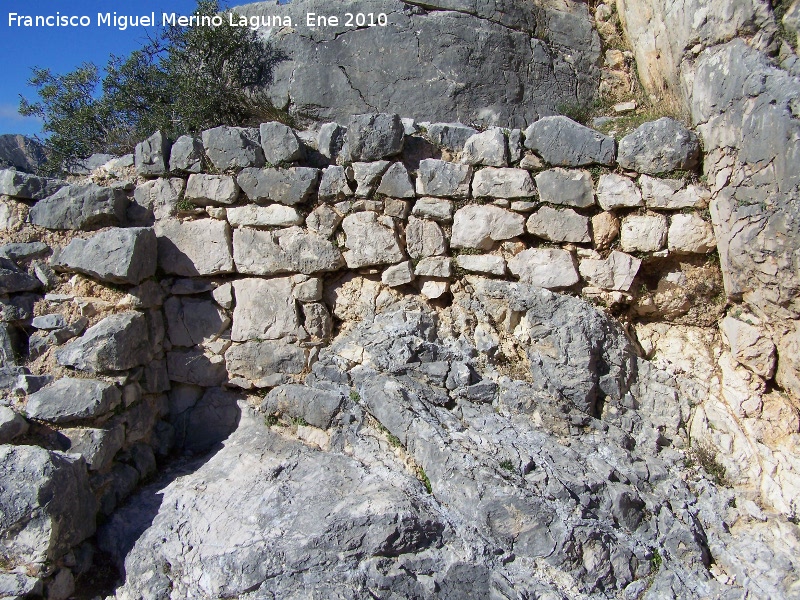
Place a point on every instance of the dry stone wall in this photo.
(140, 301)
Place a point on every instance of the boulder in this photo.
(396, 183)
(12, 425)
(96, 446)
(563, 142)
(479, 226)
(151, 157)
(452, 136)
(13, 279)
(565, 187)
(69, 400)
(371, 240)
(81, 206)
(280, 143)
(257, 361)
(211, 190)
(605, 229)
(317, 407)
(274, 215)
(366, 175)
(331, 140)
(434, 266)
(288, 186)
(437, 209)
(195, 367)
(118, 342)
(672, 194)
(333, 185)
(374, 136)
(690, 234)
(616, 191)
(317, 320)
(550, 268)
(424, 238)
(265, 309)
(117, 255)
(23, 250)
(191, 248)
(46, 505)
(643, 233)
(502, 183)
(290, 250)
(616, 272)
(323, 220)
(559, 225)
(193, 321)
(27, 187)
(489, 148)
(440, 178)
(659, 147)
(488, 264)
(233, 148)
(186, 155)
(750, 346)
(159, 197)
(397, 275)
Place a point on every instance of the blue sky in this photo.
(63, 48)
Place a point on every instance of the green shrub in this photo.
(184, 80)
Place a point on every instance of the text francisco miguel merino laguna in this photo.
(122, 22)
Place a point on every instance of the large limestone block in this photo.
(280, 143)
(274, 215)
(374, 136)
(291, 250)
(396, 182)
(672, 194)
(565, 143)
(186, 155)
(190, 248)
(502, 183)
(559, 225)
(371, 240)
(550, 268)
(750, 346)
(616, 191)
(233, 148)
(265, 309)
(565, 187)
(160, 196)
(193, 321)
(437, 209)
(116, 255)
(288, 186)
(81, 206)
(489, 148)
(479, 226)
(659, 147)
(46, 504)
(333, 185)
(452, 136)
(489, 264)
(616, 272)
(195, 367)
(690, 234)
(643, 233)
(68, 400)
(116, 343)
(317, 407)
(441, 178)
(211, 190)
(424, 238)
(367, 175)
(27, 187)
(151, 157)
(257, 361)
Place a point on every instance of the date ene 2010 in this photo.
(350, 19)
